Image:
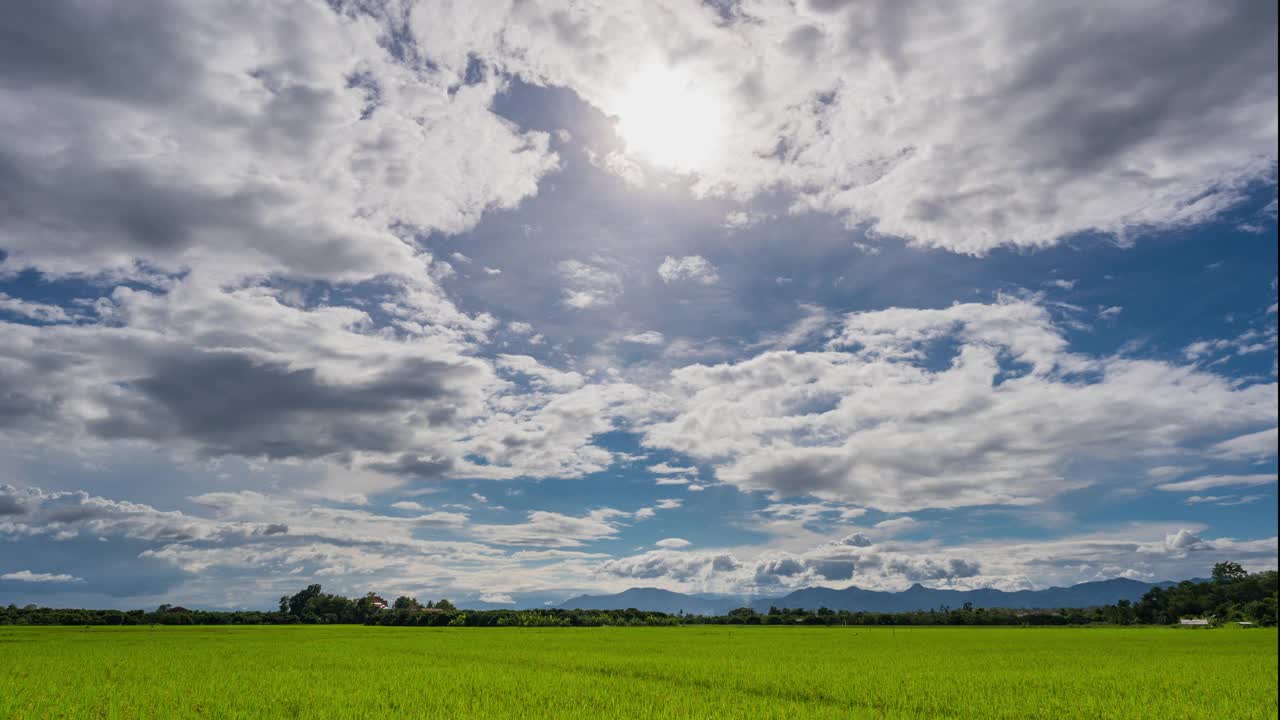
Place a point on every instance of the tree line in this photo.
(1232, 595)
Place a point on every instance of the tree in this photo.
(1228, 572)
(298, 603)
(406, 603)
(446, 606)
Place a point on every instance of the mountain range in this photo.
(916, 597)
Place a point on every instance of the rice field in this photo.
(688, 672)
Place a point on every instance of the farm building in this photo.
(378, 603)
(1245, 624)
(1194, 622)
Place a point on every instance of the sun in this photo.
(669, 120)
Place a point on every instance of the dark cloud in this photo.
(927, 568)
(9, 502)
(834, 569)
(231, 403)
(1168, 72)
(132, 51)
(425, 468)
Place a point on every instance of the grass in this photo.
(690, 672)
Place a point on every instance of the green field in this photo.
(689, 672)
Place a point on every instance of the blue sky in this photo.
(504, 304)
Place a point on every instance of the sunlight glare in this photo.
(667, 120)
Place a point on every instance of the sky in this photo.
(509, 301)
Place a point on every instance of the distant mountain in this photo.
(657, 600)
(916, 597)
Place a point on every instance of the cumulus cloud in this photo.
(1149, 552)
(589, 285)
(1183, 541)
(991, 390)
(40, 312)
(179, 369)
(233, 151)
(856, 540)
(692, 268)
(677, 565)
(881, 113)
(249, 212)
(673, 543)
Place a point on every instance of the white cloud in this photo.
(553, 530)
(33, 577)
(497, 598)
(1208, 482)
(743, 219)
(233, 152)
(1221, 500)
(588, 285)
(540, 374)
(856, 540)
(1142, 551)
(694, 268)
(895, 525)
(663, 468)
(1259, 445)
(673, 543)
(648, 337)
(882, 114)
(41, 312)
(1184, 540)
(1003, 412)
(619, 165)
(815, 320)
(222, 174)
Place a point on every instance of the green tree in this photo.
(1228, 572)
(298, 603)
(406, 603)
(446, 606)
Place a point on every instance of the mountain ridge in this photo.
(855, 599)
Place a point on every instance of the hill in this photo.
(854, 599)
